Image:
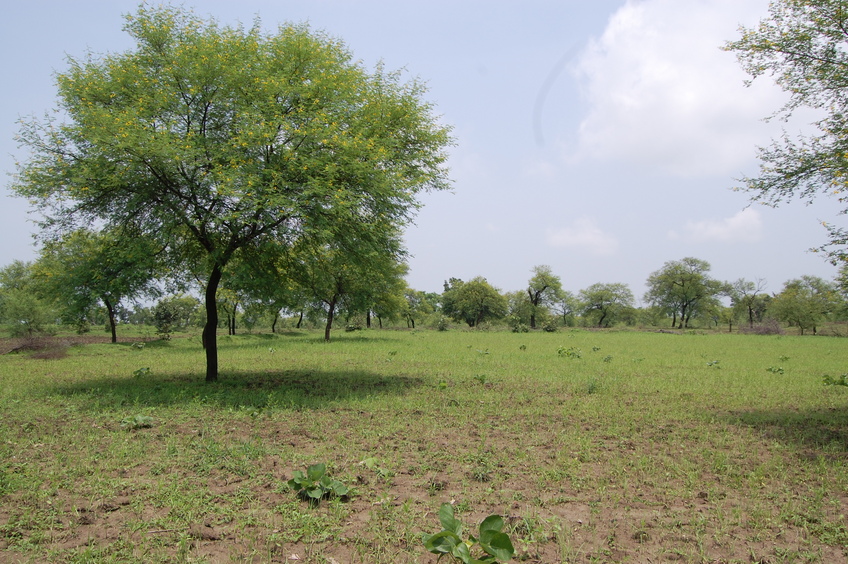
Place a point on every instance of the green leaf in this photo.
(316, 471)
(492, 523)
(442, 542)
(448, 521)
(497, 544)
(315, 493)
(339, 488)
(463, 552)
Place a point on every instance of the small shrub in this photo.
(373, 464)
(520, 328)
(482, 379)
(442, 325)
(496, 546)
(841, 380)
(550, 327)
(137, 422)
(315, 485)
(570, 352)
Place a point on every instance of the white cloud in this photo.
(584, 235)
(746, 226)
(662, 93)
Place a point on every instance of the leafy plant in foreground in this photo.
(315, 484)
(496, 545)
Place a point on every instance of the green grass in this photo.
(635, 446)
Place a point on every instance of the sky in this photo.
(600, 138)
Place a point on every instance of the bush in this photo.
(767, 327)
(550, 327)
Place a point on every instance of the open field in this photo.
(595, 446)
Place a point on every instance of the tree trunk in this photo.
(534, 301)
(111, 310)
(210, 330)
(274, 324)
(330, 311)
(368, 319)
(299, 320)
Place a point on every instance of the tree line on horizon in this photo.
(82, 282)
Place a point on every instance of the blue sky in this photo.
(601, 138)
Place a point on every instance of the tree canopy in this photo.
(473, 302)
(218, 141)
(543, 289)
(801, 45)
(683, 288)
(606, 302)
(805, 302)
(84, 267)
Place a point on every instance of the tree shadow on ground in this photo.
(286, 389)
(816, 432)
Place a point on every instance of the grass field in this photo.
(594, 446)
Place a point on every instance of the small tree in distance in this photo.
(543, 290)
(473, 302)
(605, 302)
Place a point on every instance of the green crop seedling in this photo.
(315, 484)
(496, 545)
(137, 422)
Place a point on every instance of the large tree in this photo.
(801, 45)
(683, 288)
(218, 140)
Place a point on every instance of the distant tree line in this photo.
(81, 282)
